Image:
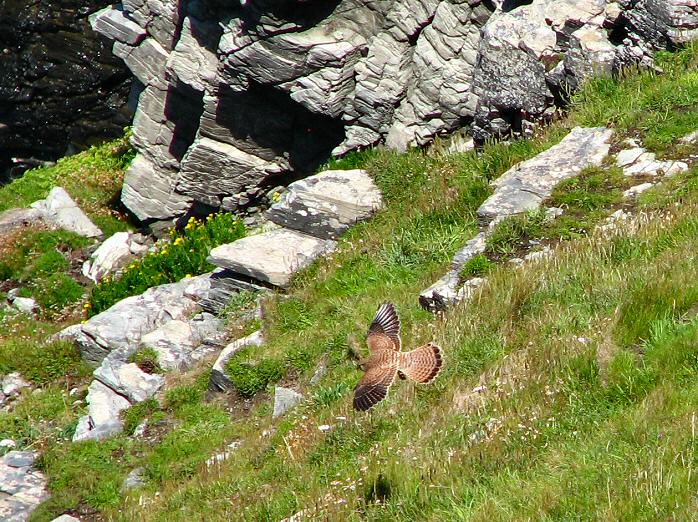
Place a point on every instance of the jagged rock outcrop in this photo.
(239, 94)
(60, 86)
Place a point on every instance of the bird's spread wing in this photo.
(384, 332)
(374, 385)
(423, 364)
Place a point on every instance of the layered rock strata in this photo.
(239, 95)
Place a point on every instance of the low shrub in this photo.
(183, 256)
(249, 377)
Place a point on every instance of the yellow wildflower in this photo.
(275, 197)
(187, 276)
(178, 241)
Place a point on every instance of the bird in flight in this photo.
(386, 360)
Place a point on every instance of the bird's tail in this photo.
(423, 364)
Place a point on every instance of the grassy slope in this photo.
(589, 363)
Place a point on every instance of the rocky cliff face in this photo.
(240, 93)
(60, 85)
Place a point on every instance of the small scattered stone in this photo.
(284, 400)
(66, 518)
(134, 480)
(637, 189)
(7, 444)
(324, 427)
(25, 305)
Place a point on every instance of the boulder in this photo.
(134, 480)
(111, 255)
(272, 257)
(13, 384)
(524, 187)
(327, 204)
(104, 413)
(219, 380)
(59, 209)
(123, 325)
(25, 305)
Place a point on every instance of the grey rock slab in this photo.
(122, 326)
(115, 24)
(447, 290)
(284, 400)
(272, 257)
(19, 459)
(134, 480)
(103, 417)
(19, 218)
(65, 518)
(60, 209)
(525, 186)
(25, 305)
(219, 380)
(128, 379)
(173, 342)
(687, 139)
(112, 254)
(629, 156)
(328, 203)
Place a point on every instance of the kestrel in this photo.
(387, 360)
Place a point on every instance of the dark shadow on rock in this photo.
(183, 108)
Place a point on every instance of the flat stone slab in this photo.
(273, 257)
(448, 290)
(525, 186)
(60, 209)
(219, 381)
(115, 24)
(122, 326)
(327, 204)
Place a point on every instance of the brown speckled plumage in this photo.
(387, 360)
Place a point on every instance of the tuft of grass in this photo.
(512, 233)
(477, 266)
(250, 376)
(147, 360)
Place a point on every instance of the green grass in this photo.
(586, 363)
(93, 178)
(183, 256)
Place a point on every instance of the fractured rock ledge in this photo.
(273, 257)
(522, 188)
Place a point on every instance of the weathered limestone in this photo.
(239, 94)
(103, 417)
(520, 189)
(284, 400)
(128, 379)
(112, 254)
(526, 185)
(327, 204)
(273, 257)
(123, 325)
(60, 210)
(22, 488)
